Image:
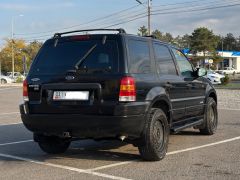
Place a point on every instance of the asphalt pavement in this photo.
(190, 155)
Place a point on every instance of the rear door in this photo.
(169, 78)
(55, 83)
(194, 95)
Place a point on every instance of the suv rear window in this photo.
(66, 55)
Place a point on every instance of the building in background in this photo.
(230, 59)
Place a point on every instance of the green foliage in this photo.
(21, 49)
(225, 80)
(142, 31)
(19, 80)
(203, 40)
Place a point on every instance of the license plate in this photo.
(71, 95)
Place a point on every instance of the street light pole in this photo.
(149, 14)
(149, 17)
(12, 42)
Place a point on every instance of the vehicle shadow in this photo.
(92, 151)
(188, 133)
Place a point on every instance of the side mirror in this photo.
(201, 72)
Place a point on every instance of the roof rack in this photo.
(121, 31)
(151, 36)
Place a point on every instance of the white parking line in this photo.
(17, 142)
(10, 124)
(9, 113)
(170, 153)
(92, 171)
(229, 109)
(62, 167)
(3, 89)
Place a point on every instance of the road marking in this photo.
(92, 171)
(112, 165)
(10, 113)
(63, 167)
(17, 142)
(203, 146)
(170, 153)
(9, 88)
(229, 109)
(10, 124)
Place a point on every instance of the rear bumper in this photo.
(84, 126)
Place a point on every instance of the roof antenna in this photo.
(104, 39)
(56, 42)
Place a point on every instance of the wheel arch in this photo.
(164, 103)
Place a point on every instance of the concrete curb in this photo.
(11, 85)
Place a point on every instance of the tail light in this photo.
(25, 90)
(127, 90)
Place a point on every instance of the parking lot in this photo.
(190, 155)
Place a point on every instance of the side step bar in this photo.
(180, 126)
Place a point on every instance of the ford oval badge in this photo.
(69, 78)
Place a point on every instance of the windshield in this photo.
(65, 56)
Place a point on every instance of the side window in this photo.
(185, 66)
(165, 64)
(139, 54)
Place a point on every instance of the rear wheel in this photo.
(53, 144)
(3, 81)
(155, 137)
(210, 118)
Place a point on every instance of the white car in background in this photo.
(16, 75)
(214, 77)
(228, 70)
(5, 79)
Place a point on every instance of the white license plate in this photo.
(71, 95)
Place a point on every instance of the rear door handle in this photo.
(189, 85)
(168, 85)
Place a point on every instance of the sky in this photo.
(41, 19)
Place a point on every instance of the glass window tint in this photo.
(57, 60)
(185, 66)
(139, 57)
(165, 64)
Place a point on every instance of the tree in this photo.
(33, 48)
(21, 49)
(203, 40)
(158, 34)
(168, 38)
(142, 31)
(230, 43)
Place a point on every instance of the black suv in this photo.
(122, 86)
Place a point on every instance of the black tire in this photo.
(3, 81)
(155, 137)
(54, 145)
(210, 118)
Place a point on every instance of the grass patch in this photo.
(229, 86)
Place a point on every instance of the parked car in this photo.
(121, 86)
(228, 70)
(16, 76)
(5, 79)
(214, 77)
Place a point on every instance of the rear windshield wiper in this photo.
(85, 56)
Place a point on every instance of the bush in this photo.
(225, 80)
(19, 80)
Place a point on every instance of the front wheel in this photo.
(54, 145)
(210, 118)
(155, 137)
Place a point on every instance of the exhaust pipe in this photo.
(66, 134)
(122, 138)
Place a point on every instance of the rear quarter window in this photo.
(139, 57)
